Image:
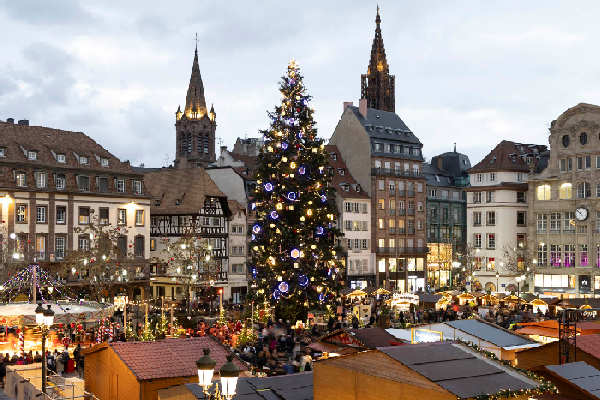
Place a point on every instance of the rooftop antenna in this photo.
(455, 147)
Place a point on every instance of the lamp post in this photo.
(44, 319)
(497, 282)
(229, 373)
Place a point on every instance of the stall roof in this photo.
(285, 387)
(580, 374)
(489, 333)
(374, 337)
(457, 369)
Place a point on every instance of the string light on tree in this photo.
(294, 240)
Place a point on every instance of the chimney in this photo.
(362, 107)
(24, 122)
(346, 105)
(10, 120)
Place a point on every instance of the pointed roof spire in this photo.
(195, 105)
(377, 85)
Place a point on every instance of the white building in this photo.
(354, 207)
(497, 217)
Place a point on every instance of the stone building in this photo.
(385, 158)
(354, 208)
(564, 207)
(497, 216)
(195, 126)
(54, 181)
(447, 179)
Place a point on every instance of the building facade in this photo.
(354, 208)
(186, 202)
(54, 183)
(385, 158)
(564, 204)
(447, 179)
(497, 217)
(195, 126)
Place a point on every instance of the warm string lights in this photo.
(293, 242)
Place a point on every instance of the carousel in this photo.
(74, 321)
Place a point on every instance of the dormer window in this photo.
(137, 187)
(21, 179)
(156, 203)
(104, 162)
(32, 155)
(61, 158)
(83, 160)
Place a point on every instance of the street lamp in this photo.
(44, 319)
(497, 282)
(229, 373)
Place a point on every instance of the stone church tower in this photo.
(377, 85)
(195, 127)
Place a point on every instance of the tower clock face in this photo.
(581, 214)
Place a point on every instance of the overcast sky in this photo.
(469, 72)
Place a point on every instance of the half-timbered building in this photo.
(186, 202)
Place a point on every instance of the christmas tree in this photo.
(295, 260)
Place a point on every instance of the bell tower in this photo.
(195, 126)
(377, 85)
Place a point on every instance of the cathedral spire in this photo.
(195, 105)
(377, 85)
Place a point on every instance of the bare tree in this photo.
(189, 259)
(102, 257)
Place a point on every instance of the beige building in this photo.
(354, 208)
(54, 181)
(564, 207)
(497, 216)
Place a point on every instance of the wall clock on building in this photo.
(565, 140)
(581, 213)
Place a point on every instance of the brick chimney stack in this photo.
(362, 107)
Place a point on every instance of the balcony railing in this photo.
(395, 172)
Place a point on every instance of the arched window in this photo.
(189, 142)
(490, 287)
(566, 191)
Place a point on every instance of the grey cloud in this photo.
(46, 12)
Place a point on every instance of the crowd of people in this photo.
(59, 363)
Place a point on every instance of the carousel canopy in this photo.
(466, 296)
(22, 314)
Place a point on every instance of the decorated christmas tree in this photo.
(295, 259)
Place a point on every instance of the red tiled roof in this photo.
(590, 344)
(169, 358)
(508, 156)
(337, 179)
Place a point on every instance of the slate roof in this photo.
(509, 156)
(385, 125)
(338, 180)
(17, 139)
(373, 337)
(167, 358)
(285, 387)
(457, 369)
(188, 186)
(489, 333)
(580, 374)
